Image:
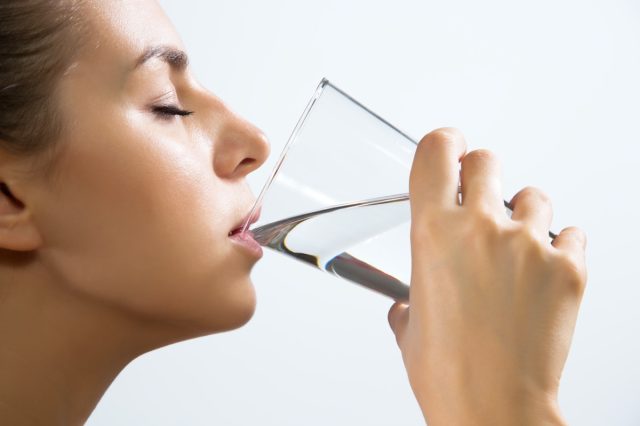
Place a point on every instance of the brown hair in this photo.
(38, 39)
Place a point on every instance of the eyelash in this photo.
(169, 111)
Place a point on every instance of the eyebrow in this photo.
(176, 58)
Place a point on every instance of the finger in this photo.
(481, 183)
(398, 319)
(572, 242)
(532, 207)
(433, 183)
(571, 239)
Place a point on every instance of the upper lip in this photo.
(251, 217)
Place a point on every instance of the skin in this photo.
(493, 302)
(123, 247)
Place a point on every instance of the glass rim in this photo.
(324, 83)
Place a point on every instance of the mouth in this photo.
(252, 219)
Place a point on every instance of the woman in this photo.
(122, 180)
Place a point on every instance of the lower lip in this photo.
(247, 242)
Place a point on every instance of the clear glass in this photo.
(337, 198)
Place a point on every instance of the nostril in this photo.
(247, 161)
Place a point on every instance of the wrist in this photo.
(488, 409)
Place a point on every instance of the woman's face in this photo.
(143, 198)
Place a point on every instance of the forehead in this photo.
(123, 29)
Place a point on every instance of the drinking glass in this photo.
(337, 198)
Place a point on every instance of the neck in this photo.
(60, 351)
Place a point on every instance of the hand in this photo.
(493, 303)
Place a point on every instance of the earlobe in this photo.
(17, 229)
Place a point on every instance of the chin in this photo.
(238, 308)
(243, 312)
(221, 309)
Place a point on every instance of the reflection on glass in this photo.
(337, 198)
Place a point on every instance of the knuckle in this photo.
(529, 240)
(578, 235)
(484, 216)
(573, 272)
(535, 194)
(527, 234)
(480, 155)
(483, 234)
(484, 227)
(444, 137)
(443, 133)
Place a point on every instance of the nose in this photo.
(240, 147)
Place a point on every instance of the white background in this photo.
(551, 86)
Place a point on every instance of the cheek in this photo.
(142, 224)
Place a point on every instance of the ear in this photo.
(17, 229)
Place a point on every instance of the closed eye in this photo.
(168, 111)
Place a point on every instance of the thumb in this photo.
(398, 320)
